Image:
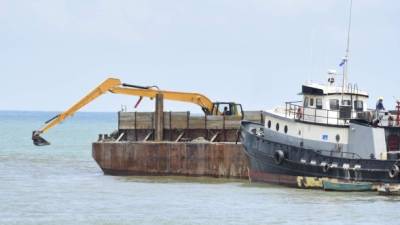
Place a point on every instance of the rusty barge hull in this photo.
(174, 143)
(219, 160)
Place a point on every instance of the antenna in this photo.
(347, 56)
(311, 54)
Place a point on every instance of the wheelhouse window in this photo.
(306, 101)
(334, 104)
(319, 103)
(311, 102)
(346, 103)
(359, 106)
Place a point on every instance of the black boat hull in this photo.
(279, 163)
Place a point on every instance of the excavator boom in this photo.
(195, 98)
(99, 90)
(115, 86)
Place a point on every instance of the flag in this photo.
(344, 60)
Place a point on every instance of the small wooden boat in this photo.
(330, 185)
(389, 189)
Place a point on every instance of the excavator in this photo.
(115, 86)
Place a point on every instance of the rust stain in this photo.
(225, 160)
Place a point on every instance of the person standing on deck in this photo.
(379, 109)
(379, 105)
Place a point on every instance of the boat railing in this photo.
(314, 115)
(340, 154)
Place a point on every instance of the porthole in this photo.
(269, 124)
(277, 127)
(286, 129)
(337, 138)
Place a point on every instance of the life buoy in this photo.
(394, 171)
(279, 156)
(300, 113)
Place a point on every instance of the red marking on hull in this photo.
(287, 180)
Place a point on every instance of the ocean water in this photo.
(61, 184)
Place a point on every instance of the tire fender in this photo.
(394, 171)
(279, 157)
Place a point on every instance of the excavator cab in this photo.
(227, 109)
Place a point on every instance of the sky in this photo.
(255, 52)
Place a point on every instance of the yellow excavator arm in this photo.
(115, 86)
(205, 103)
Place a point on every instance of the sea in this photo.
(62, 184)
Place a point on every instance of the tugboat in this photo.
(329, 140)
(330, 134)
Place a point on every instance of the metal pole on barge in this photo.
(159, 118)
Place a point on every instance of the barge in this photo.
(191, 145)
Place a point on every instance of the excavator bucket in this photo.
(38, 140)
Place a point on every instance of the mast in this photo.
(347, 55)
